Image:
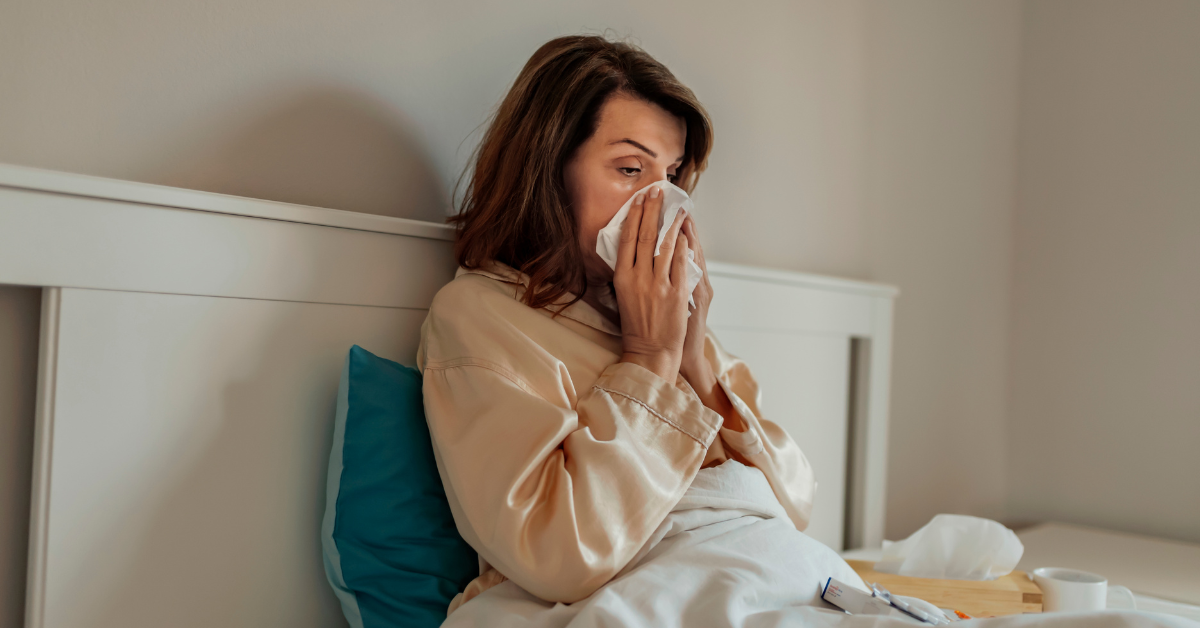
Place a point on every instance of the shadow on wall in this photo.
(20, 315)
(326, 147)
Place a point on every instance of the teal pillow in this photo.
(392, 552)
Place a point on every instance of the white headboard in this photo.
(190, 350)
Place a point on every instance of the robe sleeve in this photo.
(560, 498)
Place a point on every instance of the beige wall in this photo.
(864, 139)
(942, 102)
(869, 140)
(1105, 422)
(375, 106)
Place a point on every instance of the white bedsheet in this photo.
(727, 555)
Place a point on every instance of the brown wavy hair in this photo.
(516, 209)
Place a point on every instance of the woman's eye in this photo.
(630, 171)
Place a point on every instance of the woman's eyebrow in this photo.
(640, 146)
(637, 144)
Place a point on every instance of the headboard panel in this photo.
(191, 346)
(57, 239)
(821, 349)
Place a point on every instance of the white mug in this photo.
(1073, 590)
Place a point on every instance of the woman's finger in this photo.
(679, 263)
(627, 247)
(663, 270)
(689, 229)
(648, 232)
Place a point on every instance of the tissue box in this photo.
(1008, 595)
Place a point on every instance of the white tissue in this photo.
(674, 199)
(954, 547)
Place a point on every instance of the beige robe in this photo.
(559, 461)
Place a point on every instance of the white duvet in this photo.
(727, 555)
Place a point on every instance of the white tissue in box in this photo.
(954, 547)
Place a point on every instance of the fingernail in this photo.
(639, 199)
(654, 192)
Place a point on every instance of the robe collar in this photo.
(579, 311)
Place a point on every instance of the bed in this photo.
(190, 350)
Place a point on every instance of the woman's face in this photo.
(635, 144)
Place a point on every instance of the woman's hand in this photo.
(652, 291)
(694, 366)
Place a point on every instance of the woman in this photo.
(566, 431)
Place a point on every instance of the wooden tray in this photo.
(1009, 595)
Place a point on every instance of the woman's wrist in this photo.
(661, 365)
(698, 374)
(702, 379)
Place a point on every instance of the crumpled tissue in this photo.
(954, 547)
(674, 199)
